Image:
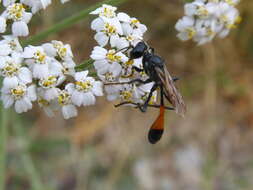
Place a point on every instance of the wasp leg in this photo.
(137, 105)
(143, 108)
(161, 96)
(125, 49)
(131, 82)
(175, 79)
(138, 69)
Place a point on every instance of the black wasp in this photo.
(154, 66)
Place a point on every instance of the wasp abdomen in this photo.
(155, 135)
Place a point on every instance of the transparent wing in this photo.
(171, 92)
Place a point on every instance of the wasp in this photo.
(155, 68)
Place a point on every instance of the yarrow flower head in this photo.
(18, 14)
(205, 19)
(116, 34)
(44, 74)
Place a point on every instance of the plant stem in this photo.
(69, 21)
(85, 65)
(3, 144)
(29, 167)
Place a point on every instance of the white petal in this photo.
(25, 75)
(31, 92)
(101, 39)
(2, 24)
(20, 29)
(97, 88)
(81, 75)
(88, 99)
(51, 94)
(7, 100)
(123, 17)
(10, 82)
(5, 49)
(49, 49)
(40, 71)
(69, 111)
(77, 98)
(97, 24)
(23, 105)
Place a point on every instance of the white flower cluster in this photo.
(44, 74)
(116, 34)
(18, 13)
(205, 19)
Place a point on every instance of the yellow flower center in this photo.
(64, 98)
(230, 2)
(107, 12)
(40, 57)
(11, 69)
(126, 95)
(129, 38)
(48, 82)
(130, 62)
(61, 50)
(84, 86)
(18, 92)
(16, 11)
(42, 102)
(202, 11)
(134, 23)
(112, 57)
(109, 77)
(190, 32)
(109, 30)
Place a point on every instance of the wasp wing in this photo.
(171, 92)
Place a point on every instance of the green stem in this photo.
(85, 65)
(29, 167)
(69, 21)
(3, 144)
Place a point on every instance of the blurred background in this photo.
(107, 148)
